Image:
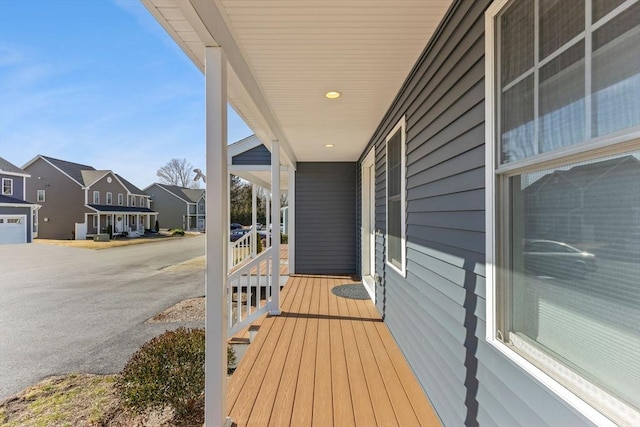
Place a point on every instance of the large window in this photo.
(96, 197)
(120, 199)
(563, 205)
(109, 198)
(7, 186)
(396, 221)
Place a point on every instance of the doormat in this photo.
(351, 291)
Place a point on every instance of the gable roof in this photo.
(90, 177)
(189, 195)
(11, 169)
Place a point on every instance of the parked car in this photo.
(237, 234)
(236, 226)
(557, 259)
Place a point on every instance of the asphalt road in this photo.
(66, 310)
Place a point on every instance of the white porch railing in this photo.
(249, 292)
(241, 249)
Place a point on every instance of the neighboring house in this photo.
(18, 218)
(424, 191)
(179, 207)
(79, 201)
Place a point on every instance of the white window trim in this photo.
(402, 127)
(624, 141)
(109, 198)
(10, 193)
(120, 199)
(38, 193)
(96, 196)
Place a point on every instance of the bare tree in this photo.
(177, 172)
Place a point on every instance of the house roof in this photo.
(13, 200)
(74, 170)
(283, 56)
(189, 195)
(11, 169)
(130, 187)
(120, 209)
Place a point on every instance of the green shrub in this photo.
(166, 371)
(177, 232)
(284, 238)
(231, 360)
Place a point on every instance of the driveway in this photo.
(68, 310)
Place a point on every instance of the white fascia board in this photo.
(24, 175)
(242, 146)
(19, 205)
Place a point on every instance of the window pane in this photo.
(601, 7)
(517, 122)
(394, 151)
(516, 34)
(616, 73)
(394, 233)
(562, 100)
(560, 21)
(575, 262)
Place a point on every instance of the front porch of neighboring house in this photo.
(119, 224)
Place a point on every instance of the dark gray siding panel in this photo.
(326, 225)
(437, 312)
(259, 155)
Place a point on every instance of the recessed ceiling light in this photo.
(329, 145)
(332, 95)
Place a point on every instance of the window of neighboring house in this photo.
(96, 197)
(142, 202)
(7, 186)
(563, 173)
(40, 196)
(133, 201)
(109, 198)
(120, 199)
(396, 225)
(95, 222)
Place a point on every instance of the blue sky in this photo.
(98, 82)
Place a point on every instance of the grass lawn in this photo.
(90, 244)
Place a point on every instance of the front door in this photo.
(369, 224)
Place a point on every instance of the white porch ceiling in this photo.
(284, 55)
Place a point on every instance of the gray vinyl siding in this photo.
(437, 313)
(325, 218)
(64, 201)
(259, 155)
(171, 210)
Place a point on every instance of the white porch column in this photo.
(217, 237)
(275, 228)
(291, 197)
(267, 219)
(254, 220)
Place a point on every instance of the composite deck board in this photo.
(325, 361)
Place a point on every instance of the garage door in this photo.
(13, 229)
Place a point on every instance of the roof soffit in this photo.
(285, 55)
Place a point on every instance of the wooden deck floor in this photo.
(325, 361)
